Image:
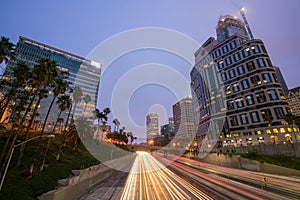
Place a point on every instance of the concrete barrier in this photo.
(84, 180)
(237, 162)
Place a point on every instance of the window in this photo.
(217, 52)
(236, 87)
(255, 49)
(233, 121)
(231, 73)
(239, 103)
(245, 84)
(230, 105)
(244, 119)
(250, 66)
(232, 44)
(255, 80)
(223, 76)
(228, 61)
(265, 113)
(272, 95)
(254, 117)
(249, 100)
(279, 113)
(236, 57)
(227, 90)
(221, 64)
(261, 62)
(266, 78)
(241, 70)
(260, 97)
(246, 52)
(225, 49)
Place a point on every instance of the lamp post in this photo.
(12, 151)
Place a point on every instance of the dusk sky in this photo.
(79, 26)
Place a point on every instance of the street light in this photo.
(12, 151)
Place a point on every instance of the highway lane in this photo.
(149, 179)
(235, 180)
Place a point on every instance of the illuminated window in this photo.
(290, 130)
(282, 130)
(275, 130)
(268, 131)
(236, 135)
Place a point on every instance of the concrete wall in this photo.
(84, 180)
(238, 162)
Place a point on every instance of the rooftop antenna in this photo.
(242, 11)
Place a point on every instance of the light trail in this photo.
(149, 179)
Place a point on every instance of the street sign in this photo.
(264, 179)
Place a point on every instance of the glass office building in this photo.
(82, 72)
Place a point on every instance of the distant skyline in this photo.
(78, 27)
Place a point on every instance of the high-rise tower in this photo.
(82, 72)
(234, 75)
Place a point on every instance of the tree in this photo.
(64, 102)
(60, 87)
(48, 71)
(77, 95)
(87, 99)
(6, 50)
(102, 117)
(14, 85)
(65, 131)
(117, 124)
(13, 91)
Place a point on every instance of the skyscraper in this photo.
(294, 101)
(151, 125)
(184, 122)
(82, 72)
(233, 76)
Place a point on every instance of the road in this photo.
(157, 177)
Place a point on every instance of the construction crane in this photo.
(242, 11)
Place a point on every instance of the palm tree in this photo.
(15, 86)
(13, 91)
(77, 95)
(6, 50)
(60, 87)
(117, 124)
(87, 99)
(43, 74)
(49, 72)
(64, 102)
(65, 129)
(102, 117)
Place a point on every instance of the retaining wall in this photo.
(238, 162)
(84, 180)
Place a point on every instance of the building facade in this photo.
(184, 122)
(234, 80)
(82, 72)
(294, 103)
(281, 80)
(152, 126)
